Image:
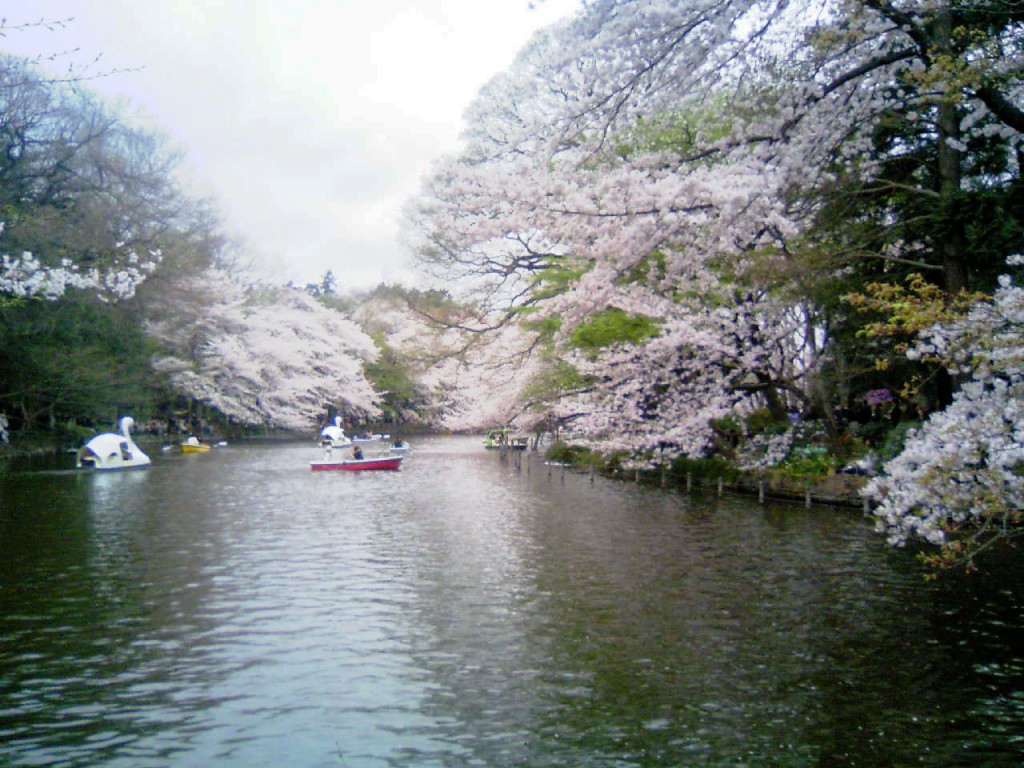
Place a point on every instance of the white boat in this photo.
(333, 436)
(111, 450)
(376, 437)
(399, 446)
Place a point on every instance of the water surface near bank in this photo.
(235, 608)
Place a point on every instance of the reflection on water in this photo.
(235, 608)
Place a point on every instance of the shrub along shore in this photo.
(721, 476)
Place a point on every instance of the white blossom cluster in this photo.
(263, 356)
(26, 276)
(122, 283)
(965, 465)
(660, 399)
(763, 451)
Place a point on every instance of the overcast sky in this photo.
(310, 122)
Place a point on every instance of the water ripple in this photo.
(237, 609)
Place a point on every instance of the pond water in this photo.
(236, 609)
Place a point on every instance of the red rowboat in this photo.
(356, 465)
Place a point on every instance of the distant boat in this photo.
(370, 438)
(357, 465)
(110, 450)
(192, 445)
(399, 446)
(497, 439)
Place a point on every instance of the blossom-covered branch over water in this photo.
(963, 470)
(675, 198)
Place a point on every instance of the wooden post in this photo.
(719, 487)
(689, 481)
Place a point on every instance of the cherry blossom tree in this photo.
(409, 344)
(90, 216)
(714, 168)
(570, 209)
(479, 383)
(640, 398)
(455, 371)
(262, 356)
(675, 161)
(959, 482)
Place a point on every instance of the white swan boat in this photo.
(333, 436)
(111, 450)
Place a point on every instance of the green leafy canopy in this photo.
(613, 326)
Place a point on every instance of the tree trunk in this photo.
(951, 234)
(952, 243)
